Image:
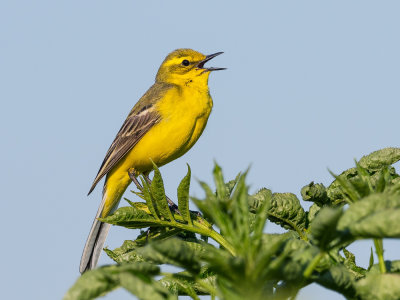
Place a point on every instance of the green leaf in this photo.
(144, 287)
(139, 205)
(128, 251)
(323, 228)
(92, 284)
(287, 290)
(212, 210)
(312, 213)
(149, 199)
(183, 197)
(272, 238)
(137, 267)
(371, 260)
(297, 255)
(183, 283)
(391, 266)
(127, 246)
(350, 263)
(240, 212)
(209, 206)
(219, 261)
(250, 264)
(383, 180)
(230, 185)
(158, 194)
(373, 217)
(265, 256)
(169, 251)
(372, 174)
(340, 189)
(258, 199)
(346, 191)
(379, 287)
(338, 279)
(315, 193)
(180, 253)
(395, 187)
(219, 182)
(125, 254)
(285, 210)
(130, 217)
(180, 285)
(261, 215)
(98, 282)
(381, 158)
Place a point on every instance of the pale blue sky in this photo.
(310, 85)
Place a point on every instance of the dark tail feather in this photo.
(95, 242)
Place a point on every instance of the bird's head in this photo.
(186, 67)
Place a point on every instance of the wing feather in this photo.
(134, 128)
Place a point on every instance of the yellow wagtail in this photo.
(163, 125)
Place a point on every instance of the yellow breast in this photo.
(184, 114)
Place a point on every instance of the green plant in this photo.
(243, 262)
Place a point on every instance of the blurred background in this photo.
(310, 85)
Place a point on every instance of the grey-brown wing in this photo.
(133, 129)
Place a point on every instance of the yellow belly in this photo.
(183, 119)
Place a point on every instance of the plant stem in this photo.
(199, 226)
(310, 268)
(220, 240)
(379, 252)
(203, 227)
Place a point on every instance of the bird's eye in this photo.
(185, 62)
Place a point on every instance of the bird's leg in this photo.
(171, 203)
(133, 177)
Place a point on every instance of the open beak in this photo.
(209, 57)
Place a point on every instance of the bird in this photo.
(162, 126)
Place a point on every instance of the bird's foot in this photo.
(174, 208)
(197, 213)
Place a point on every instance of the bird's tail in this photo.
(95, 241)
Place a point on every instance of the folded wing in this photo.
(134, 128)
